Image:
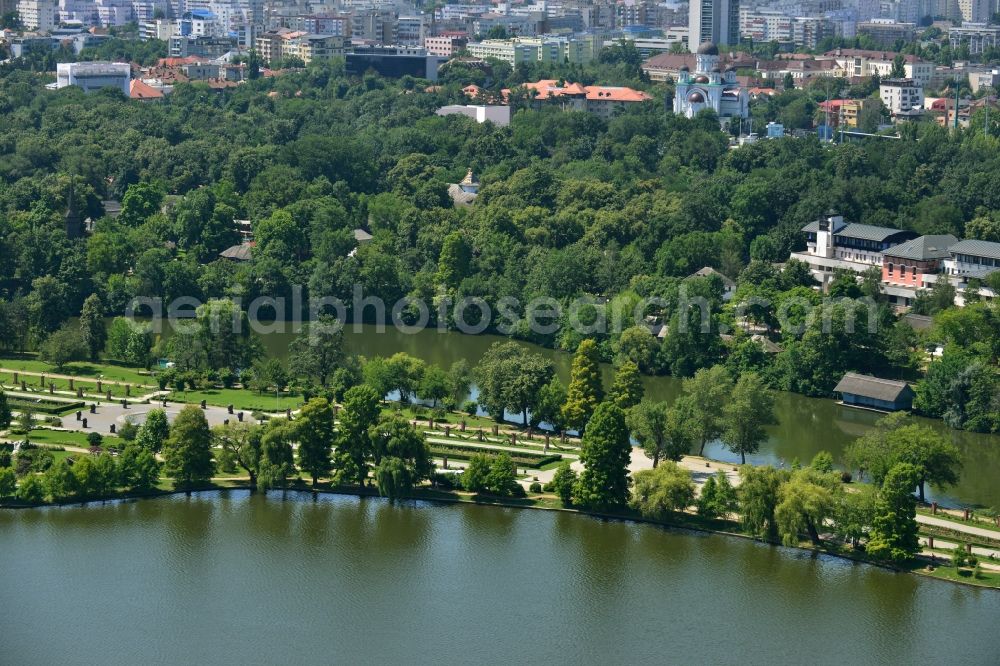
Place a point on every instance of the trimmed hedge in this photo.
(43, 405)
(462, 452)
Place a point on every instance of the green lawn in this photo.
(947, 572)
(241, 399)
(111, 371)
(89, 386)
(61, 438)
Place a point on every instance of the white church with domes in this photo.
(708, 88)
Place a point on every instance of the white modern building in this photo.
(973, 258)
(902, 96)
(832, 243)
(498, 115)
(93, 76)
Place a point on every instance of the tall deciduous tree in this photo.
(187, 452)
(92, 328)
(551, 398)
(511, 378)
(277, 458)
(894, 527)
(433, 385)
(354, 444)
(605, 456)
(626, 390)
(661, 491)
(758, 497)
(585, 390)
(708, 389)
(138, 468)
(896, 439)
(129, 342)
(318, 351)
(154, 431)
(8, 482)
(750, 408)
(242, 441)
(62, 347)
(804, 502)
(314, 430)
(396, 443)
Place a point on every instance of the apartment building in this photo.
(39, 15)
(538, 49)
(887, 32)
(977, 36)
(444, 46)
(903, 97)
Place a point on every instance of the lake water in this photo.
(226, 577)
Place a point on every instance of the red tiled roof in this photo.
(835, 104)
(177, 62)
(617, 94)
(139, 90)
(547, 88)
(865, 53)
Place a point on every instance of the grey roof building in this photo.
(924, 248)
(874, 392)
(241, 252)
(858, 231)
(973, 258)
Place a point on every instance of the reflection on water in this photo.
(239, 578)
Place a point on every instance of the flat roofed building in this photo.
(391, 61)
(93, 76)
(498, 115)
(977, 36)
(902, 96)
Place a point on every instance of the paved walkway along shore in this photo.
(971, 530)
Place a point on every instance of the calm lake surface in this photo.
(226, 577)
(805, 425)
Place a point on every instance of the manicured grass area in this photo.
(64, 438)
(241, 399)
(111, 371)
(89, 386)
(985, 577)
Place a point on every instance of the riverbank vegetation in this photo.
(571, 205)
(361, 443)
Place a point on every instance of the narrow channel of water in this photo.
(805, 426)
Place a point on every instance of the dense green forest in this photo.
(570, 205)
